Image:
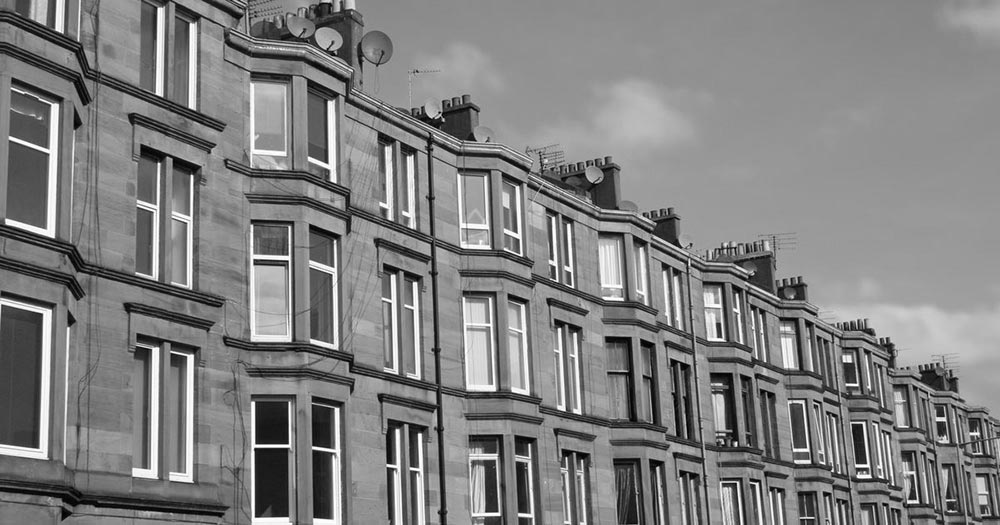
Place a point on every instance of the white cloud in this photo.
(979, 17)
(922, 331)
(464, 68)
(625, 117)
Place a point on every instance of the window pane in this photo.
(321, 321)
(27, 185)
(323, 472)
(323, 426)
(800, 438)
(271, 422)
(148, 45)
(270, 239)
(319, 140)
(147, 180)
(145, 223)
(627, 492)
(515, 345)
(180, 201)
(477, 343)
(389, 319)
(179, 255)
(610, 254)
(270, 482)
(474, 199)
(29, 119)
(408, 330)
(271, 299)
(321, 249)
(182, 61)
(175, 422)
(269, 116)
(141, 386)
(43, 11)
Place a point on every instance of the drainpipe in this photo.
(697, 395)
(442, 481)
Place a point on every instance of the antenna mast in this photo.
(781, 241)
(410, 73)
(548, 156)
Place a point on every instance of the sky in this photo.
(870, 130)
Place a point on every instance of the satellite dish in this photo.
(432, 108)
(628, 206)
(376, 47)
(750, 267)
(789, 293)
(687, 241)
(593, 174)
(262, 28)
(300, 27)
(328, 39)
(483, 134)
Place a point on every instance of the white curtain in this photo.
(610, 254)
(478, 487)
(728, 505)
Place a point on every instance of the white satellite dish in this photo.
(789, 293)
(750, 267)
(328, 39)
(300, 27)
(432, 108)
(376, 47)
(628, 206)
(594, 175)
(483, 134)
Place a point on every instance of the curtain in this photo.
(610, 256)
(478, 495)
(728, 505)
(626, 491)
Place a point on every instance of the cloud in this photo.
(625, 117)
(979, 17)
(464, 68)
(922, 331)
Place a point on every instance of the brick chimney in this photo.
(606, 194)
(461, 117)
(668, 225)
(347, 20)
(755, 257)
(794, 289)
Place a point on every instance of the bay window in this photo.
(756, 501)
(401, 322)
(738, 308)
(950, 486)
(715, 321)
(517, 346)
(901, 405)
(480, 370)
(51, 13)
(649, 411)
(690, 498)
(758, 334)
(561, 258)
(524, 474)
(474, 210)
(484, 479)
(612, 267)
(808, 514)
(851, 377)
(481, 350)
(682, 397)
(777, 503)
(911, 486)
(408, 187)
(32, 161)
(270, 277)
(975, 436)
(510, 203)
(942, 424)
(984, 495)
(658, 483)
(724, 409)
(820, 436)
(25, 370)
(619, 379)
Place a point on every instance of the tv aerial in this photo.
(410, 74)
(300, 27)
(483, 134)
(328, 39)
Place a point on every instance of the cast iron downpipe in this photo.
(442, 483)
(697, 395)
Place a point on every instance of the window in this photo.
(777, 501)
(911, 485)
(690, 495)
(270, 275)
(876, 449)
(658, 483)
(851, 381)
(680, 384)
(950, 488)
(975, 435)
(474, 210)
(517, 347)
(174, 394)
(749, 418)
(869, 514)
(820, 436)
(807, 509)
(510, 201)
(725, 416)
(484, 478)
(322, 126)
(715, 322)
(769, 420)
(890, 472)
(673, 302)
(326, 464)
(323, 319)
(756, 501)
(800, 430)
(732, 502)
(269, 125)
(164, 188)
(387, 175)
(628, 490)
(567, 366)
(941, 424)
(480, 359)
(619, 379)
(575, 487)
(843, 512)
(641, 273)
(862, 463)
(649, 411)
(835, 442)
(179, 80)
(25, 369)
(271, 460)
(408, 201)
(788, 330)
(51, 13)
(560, 243)
(831, 518)
(404, 467)
(984, 495)
(611, 265)
(739, 326)
(524, 473)
(901, 403)
(32, 162)
(758, 333)
(401, 322)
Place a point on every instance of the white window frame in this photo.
(409, 210)
(757, 493)
(820, 434)
(187, 476)
(740, 327)
(805, 422)
(330, 165)
(335, 456)
(717, 308)
(332, 272)
(862, 470)
(514, 199)
(160, 67)
(53, 165)
(188, 221)
(612, 286)
(641, 266)
(559, 231)
(387, 207)
(890, 473)
(975, 445)
(491, 350)
(463, 226)
(275, 260)
(567, 368)
(777, 504)
(254, 152)
(788, 335)
(290, 447)
(154, 208)
(876, 436)
(525, 354)
(984, 489)
(939, 420)
(397, 474)
(154, 417)
(738, 502)
(495, 458)
(909, 471)
(42, 452)
(526, 460)
(419, 471)
(192, 101)
(60, 15)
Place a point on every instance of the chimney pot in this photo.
(445, 104)
(670, 211)
(456, 101)
(607, 160)
(466, 99)
(590, 163)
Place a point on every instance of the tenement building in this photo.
(236, 287)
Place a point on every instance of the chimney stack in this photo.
(668, 225)
(348, 22)
(461, 117)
